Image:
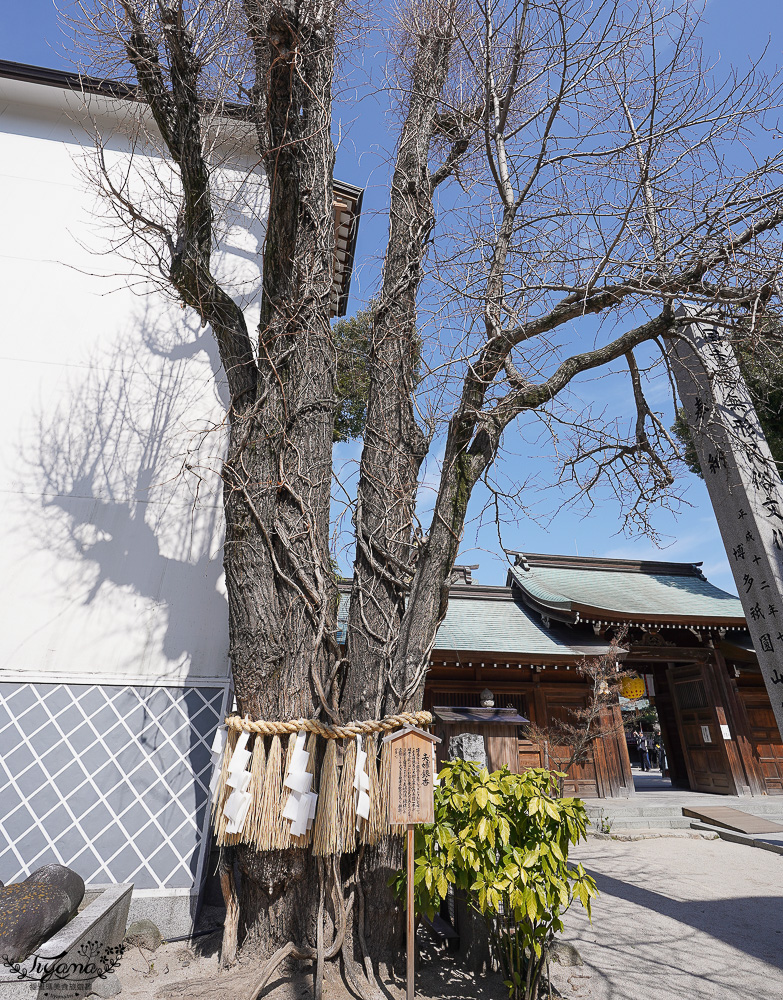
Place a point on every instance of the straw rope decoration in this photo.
(329, 732)
(222, 793)
(348, 799)
(336, 829)
(268, 799)
(326, 835)
(284, 838)
(253, 830)
(218, 799)
(310, 748)
(372, 829)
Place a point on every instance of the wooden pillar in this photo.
(410, 924)
(622, 750)
(681, 735)
(538, 713)
(667, 718)
(605, 774)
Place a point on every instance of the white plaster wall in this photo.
(110, 552)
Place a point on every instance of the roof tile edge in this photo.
(530, 560)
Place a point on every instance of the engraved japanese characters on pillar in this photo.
(743, 483)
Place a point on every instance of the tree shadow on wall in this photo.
(126, 466)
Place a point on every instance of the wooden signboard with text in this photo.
(411, 797)
(411, 801)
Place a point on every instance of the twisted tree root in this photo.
(228, 948)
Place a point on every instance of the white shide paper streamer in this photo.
(300, 807)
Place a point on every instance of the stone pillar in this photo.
(743, 482)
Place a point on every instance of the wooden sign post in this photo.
(411, 801)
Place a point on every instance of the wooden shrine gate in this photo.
(699, 724)
(765, 739)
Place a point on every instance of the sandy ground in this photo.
(170, 971)
(694, 919)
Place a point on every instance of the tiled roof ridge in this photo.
(482, 591)
(543, 560)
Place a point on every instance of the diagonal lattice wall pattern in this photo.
(111, 781)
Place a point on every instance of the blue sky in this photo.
(30, 33)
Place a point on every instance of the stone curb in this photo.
(633, 835)
(738, 838)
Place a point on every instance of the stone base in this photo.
(66, 965)
(173, 911)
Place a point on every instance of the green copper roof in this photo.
(492, 620)
(506, 626)
(616, 589)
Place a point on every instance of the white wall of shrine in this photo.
(110, 548)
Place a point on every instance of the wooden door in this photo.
(582, 780)
(695, 703)
(530, 755)
(766, 741)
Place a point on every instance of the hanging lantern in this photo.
(632, 688)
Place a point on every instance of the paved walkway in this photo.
(654, 792)
(678, 920)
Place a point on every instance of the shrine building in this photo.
(687, 638)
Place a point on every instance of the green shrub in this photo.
(502, 839)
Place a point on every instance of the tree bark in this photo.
(277, 475)
(394, 444)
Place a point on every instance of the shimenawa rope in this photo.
(348, 731)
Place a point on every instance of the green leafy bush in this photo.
(502, 839)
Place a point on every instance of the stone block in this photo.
(144, 934)
(468, 746)
(73, 958)
(36, 908)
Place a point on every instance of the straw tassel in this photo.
(266, 815)
(278, 837)
(372, 829)
(326, 835)
(251, 828)
(284, 838)
(219, 819)
(348, 799)
(218, 797)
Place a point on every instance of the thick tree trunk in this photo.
(277, 475)
(394, 445)
(278, 899)
(394, 448)
(277, 472)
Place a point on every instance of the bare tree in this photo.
(568, 742)
(597, 174)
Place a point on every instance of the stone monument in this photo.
(743, 482)
(33, 910)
